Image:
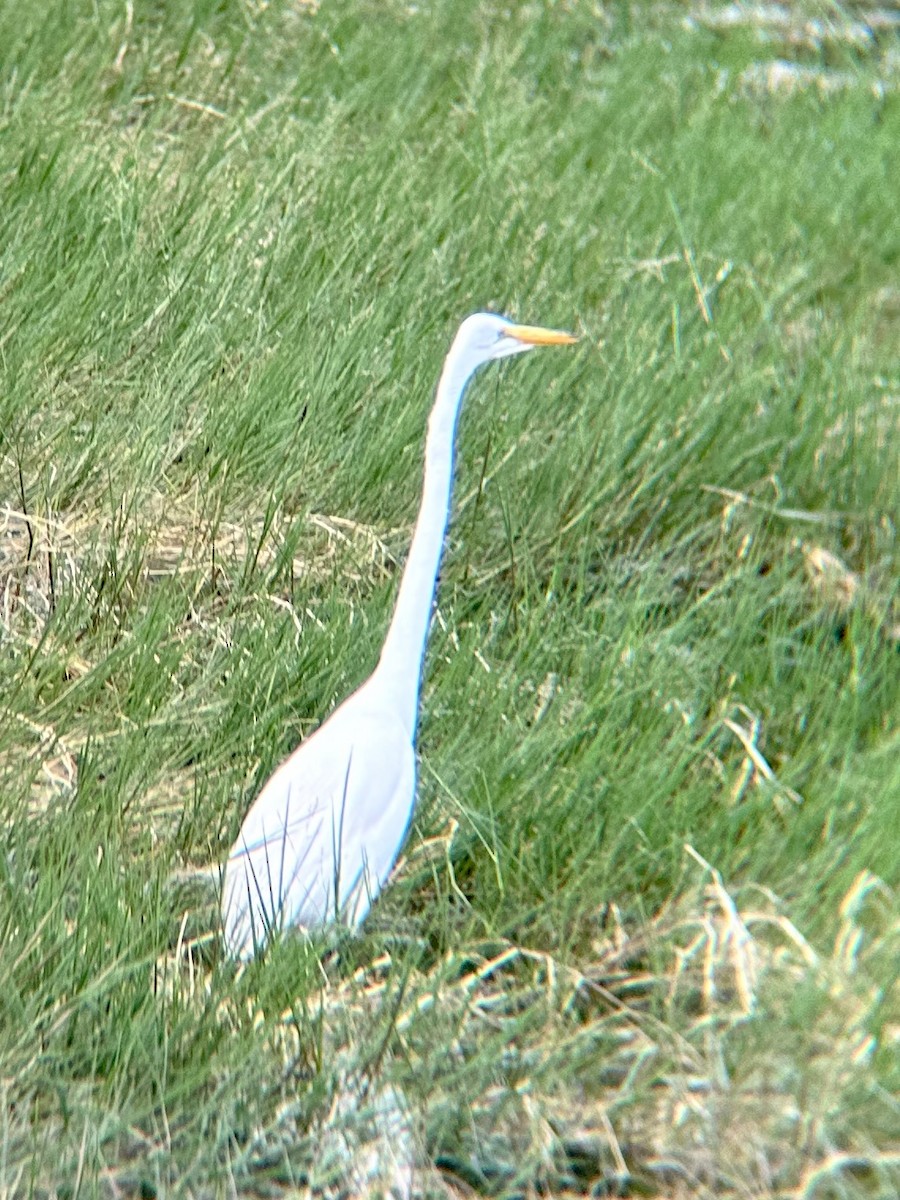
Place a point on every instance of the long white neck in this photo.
(400, 665)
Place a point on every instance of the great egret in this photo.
(321, 838)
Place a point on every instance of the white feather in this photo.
(319, 842)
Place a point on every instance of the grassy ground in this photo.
(644, 936)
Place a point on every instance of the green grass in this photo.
(236, 241)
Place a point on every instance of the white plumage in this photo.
(319, 842)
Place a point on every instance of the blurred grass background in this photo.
(237, 238)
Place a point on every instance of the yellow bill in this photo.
(534, 335)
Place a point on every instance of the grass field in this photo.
(644, 936)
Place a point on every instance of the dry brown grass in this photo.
(47, 561)
(670, 1059)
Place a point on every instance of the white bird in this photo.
(319, 842)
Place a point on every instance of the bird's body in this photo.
(302, 857)
(319, 842)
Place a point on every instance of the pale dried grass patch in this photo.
(37, 555)
(797, 26)
(187, 540)
(865, 33)
(830, 577)
(179, 536)
(39, 767)
(665, 1062)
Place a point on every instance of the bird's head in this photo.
(486, 336)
